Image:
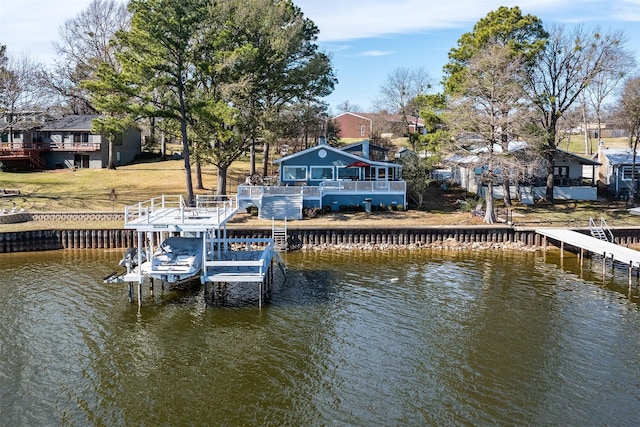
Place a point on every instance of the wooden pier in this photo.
(608, 250)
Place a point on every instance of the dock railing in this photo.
(602, 231)
(155, 208)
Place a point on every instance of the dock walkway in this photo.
(617, 253)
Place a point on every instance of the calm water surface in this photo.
(400, 338)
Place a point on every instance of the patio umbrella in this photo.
(358, 164)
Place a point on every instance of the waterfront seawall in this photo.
(460, 237)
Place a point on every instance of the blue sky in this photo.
(367, 39)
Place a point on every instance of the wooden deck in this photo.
(617, 253)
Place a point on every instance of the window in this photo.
(294, 173)
(81, 137)
(361, 130)
(561, 171)
(626, 172)
(348, 173)
(321, 172)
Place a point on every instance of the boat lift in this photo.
(224, 260)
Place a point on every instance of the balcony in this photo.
(50, 146)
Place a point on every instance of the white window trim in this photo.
(306, 172)
(625, 172)
(323, 168)
(341, 168)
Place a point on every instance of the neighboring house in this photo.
(370, 125)
(67, 143)
(354, 125)
(573, 176)
(616, 170)
(327, 178)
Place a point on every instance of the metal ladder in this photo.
(602, 231)
(279, 235)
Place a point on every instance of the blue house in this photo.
(617, 170)
(326, 177)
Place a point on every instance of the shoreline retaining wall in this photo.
(308, 237)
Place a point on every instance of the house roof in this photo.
(620, 156)
(580, 159)
(348, 113)
(71, 123)
(327, 147)
(363, 143)
(393, 118)
(474, 156)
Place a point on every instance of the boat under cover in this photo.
(177, 259)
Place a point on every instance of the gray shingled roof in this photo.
(71, 123)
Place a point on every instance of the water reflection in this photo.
(364, 338)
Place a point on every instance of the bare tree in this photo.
(567, 65)
(629, 117)
(21, 98)
(85, 43)
(400, 89)
(602, 86)
(490, 106)
(348, 107)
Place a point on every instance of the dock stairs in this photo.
(601, 231)
(279, 235)
(280, 206)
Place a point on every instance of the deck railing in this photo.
(223, 206)
(316, 191)
(52, 146)
(364, 186)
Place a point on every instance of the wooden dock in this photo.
(584, 242)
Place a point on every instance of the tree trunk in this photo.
(252, 161)
(112, 161)
(163, 145)
(506, 188)
(265, 160)
(550, 158)
(152, 132)
(222, 180)
(634, 182)
(199, 175)
(185, 147)
(489, 215)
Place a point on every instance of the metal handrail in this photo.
(603, 226)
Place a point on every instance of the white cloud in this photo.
(376, 53)
(340, 20)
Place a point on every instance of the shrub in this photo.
(468, 204)
(310, 212)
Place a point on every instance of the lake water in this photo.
(363, 338)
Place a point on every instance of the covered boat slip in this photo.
(248, 265)
(219, 258)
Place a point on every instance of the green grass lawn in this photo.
(91, 189)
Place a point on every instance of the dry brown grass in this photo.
(89, 190)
